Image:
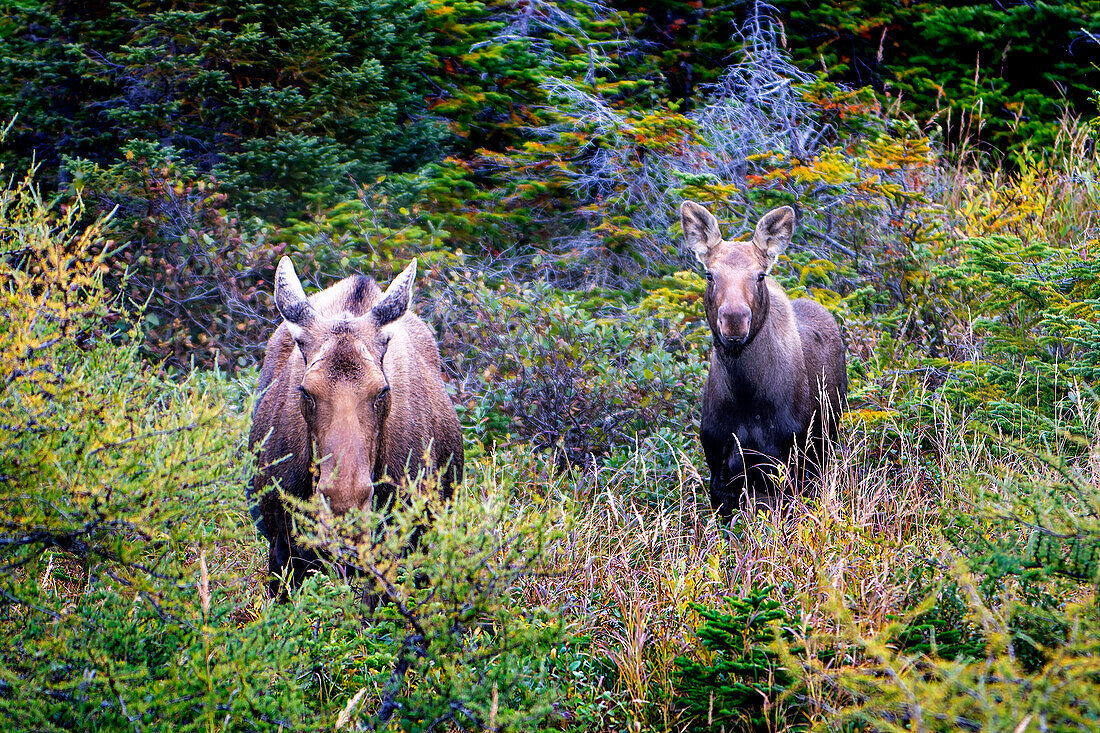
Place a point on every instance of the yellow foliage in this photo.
(100, 455)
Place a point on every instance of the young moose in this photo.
(351, 381)
(772, 361)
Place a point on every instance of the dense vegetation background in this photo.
(160, 157)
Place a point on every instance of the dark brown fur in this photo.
(375, 404)
(771, 363)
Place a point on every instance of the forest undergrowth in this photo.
(942, 574)
(941, 549)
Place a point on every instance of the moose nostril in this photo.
(734, 314)
(734, 321)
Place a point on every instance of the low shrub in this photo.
(566, 371)
(740, 684)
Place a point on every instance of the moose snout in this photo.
(345, 485)
(734, 322)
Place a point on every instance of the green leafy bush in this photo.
(462, 648)
(1000, 626)
(997, 75)
(565, 372)
(943, 630)
(117, 487)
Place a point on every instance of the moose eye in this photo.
(760, 278)
(380, 400)
(307, 399)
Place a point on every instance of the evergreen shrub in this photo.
(740, 684)
(282, 103)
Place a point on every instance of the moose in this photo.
(352, 406)
(778, 380)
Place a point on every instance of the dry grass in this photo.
(641, 545)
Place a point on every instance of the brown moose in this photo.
(777, 380)
(352, 405)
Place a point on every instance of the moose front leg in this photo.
(726, 479)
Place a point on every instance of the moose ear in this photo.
(291, 300)
(395, 301)
(700, 229)
(774, 232)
